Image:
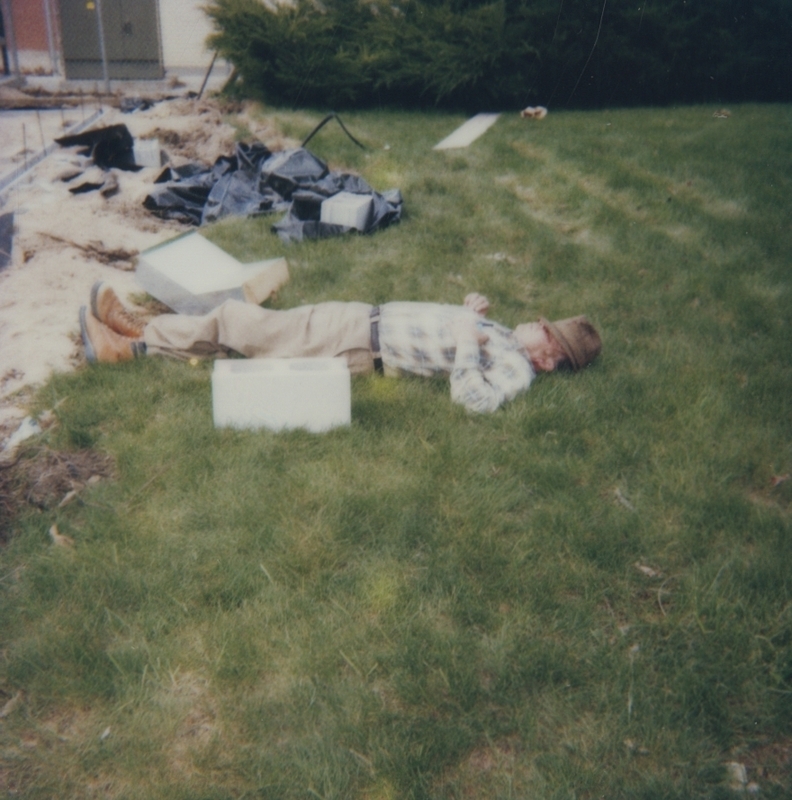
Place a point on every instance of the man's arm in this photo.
(474, 388)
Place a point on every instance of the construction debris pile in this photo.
(253, 181)
(75, 213)
(257, 181)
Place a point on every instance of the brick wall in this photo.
(30, 27)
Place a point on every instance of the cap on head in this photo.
(578, 339)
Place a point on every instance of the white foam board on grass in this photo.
(468, 132)
(281, 393)
(192, 275)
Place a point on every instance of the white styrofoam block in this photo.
(346, 208)
(282, 393)
(147, 152)
(468, 132)
(192, 275)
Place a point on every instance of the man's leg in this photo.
(326, 329)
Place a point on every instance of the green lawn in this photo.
(587, 594)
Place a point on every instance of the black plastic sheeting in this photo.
(256, 181)
(108, 147)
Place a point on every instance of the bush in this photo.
(466, 54)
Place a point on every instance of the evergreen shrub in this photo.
(485, 54)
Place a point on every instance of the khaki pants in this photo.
(322, 330)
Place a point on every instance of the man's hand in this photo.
(477, 302)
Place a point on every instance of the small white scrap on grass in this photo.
(59, 539)
(10, 705)
(648, 571)
(266, 572)
(534, 112)
(468, 132)
(27, 428)
(105, 734)
(500, 257)
(67, 498)
(617, 493)
(738, 777)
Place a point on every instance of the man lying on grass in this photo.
(488, 364)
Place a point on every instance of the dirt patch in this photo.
(189, 697)
(70, 724)
(46, 478)
(191, 130)
(776, 497)
(118, 257)
(488, 770)
(771, 763)
(51, 474)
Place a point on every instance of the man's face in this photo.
(543, 350)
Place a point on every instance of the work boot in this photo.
(105, 345)
(107, 308)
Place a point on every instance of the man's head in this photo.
(571, 343)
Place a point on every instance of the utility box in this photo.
(192, 275)
(131, 39)
(346, 208)
(282, 393)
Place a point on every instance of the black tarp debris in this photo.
(255, 181)
(107, 147)
(110, 187)
(330, 116)
(6, 238)
(129, 105)
(184, 191)
(112, 147)
(85, 187)
(70, 175)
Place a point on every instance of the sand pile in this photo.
(64, 242)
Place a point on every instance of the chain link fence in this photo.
(103, 40)
(29, 37)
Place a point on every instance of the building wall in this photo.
(30, 27)
(30, 34)
(184, 29)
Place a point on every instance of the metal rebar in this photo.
(102, 48)
(208, 73)
(50, 37)
(41, 130)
